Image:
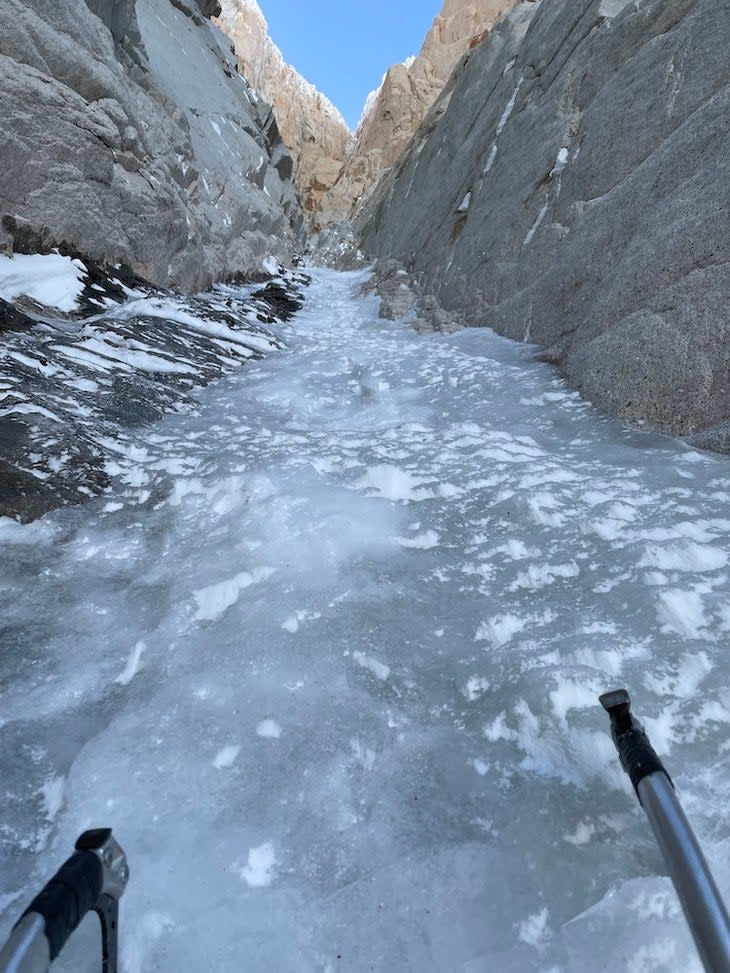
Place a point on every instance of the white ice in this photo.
(326, 656)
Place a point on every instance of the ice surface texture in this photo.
(336, 688)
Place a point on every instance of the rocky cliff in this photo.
(406, 94)
(120, 146)
(312, 128)
(570, 187)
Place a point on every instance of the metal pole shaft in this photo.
(27, 950)
(698, 894)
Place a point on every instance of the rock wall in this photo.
(312, 128)
(404, 98)
(570, 187)
(130, 137)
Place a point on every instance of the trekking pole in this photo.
(701, 902)
(93, 878)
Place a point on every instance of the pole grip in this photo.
(67, 897)
(638, 757)
(94, 877)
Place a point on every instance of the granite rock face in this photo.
(312, 128)
(118, 146)
(570, 187)
(407, 92)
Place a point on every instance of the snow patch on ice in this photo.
(378, 669)
(682, 612)
(394, 484)
(133, 665)
(268, 729)
(214, 600)
(226, 757)
(259, 870)
(535, 929)
(500, 629)
(422, 542)
(53, 792)
(50, 279)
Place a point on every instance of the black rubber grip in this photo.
(65, 900)
(638, 757)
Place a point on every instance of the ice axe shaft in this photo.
(698, 894)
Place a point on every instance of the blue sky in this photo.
(343, 47)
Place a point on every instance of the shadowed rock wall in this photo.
(570, 187)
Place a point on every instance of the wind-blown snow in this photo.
(333, 681)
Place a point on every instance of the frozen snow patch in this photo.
(393, 483)
(226, 757)
(420, 542)
(52, 793)
(535, 930)
(682, 612)
(685, 557)
(500, 630)
(50, 279)
(268, 729)
(259, 870)
(216, 599)
(378, 669)
(293, 622)
(133, 665)
(475, 687)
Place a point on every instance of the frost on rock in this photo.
(345, 654)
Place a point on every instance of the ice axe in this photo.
(93, 878)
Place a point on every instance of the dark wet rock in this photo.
(12, 318)
(278, 300)
(570, 188)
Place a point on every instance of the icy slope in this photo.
(98, 351)
(334, 682)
